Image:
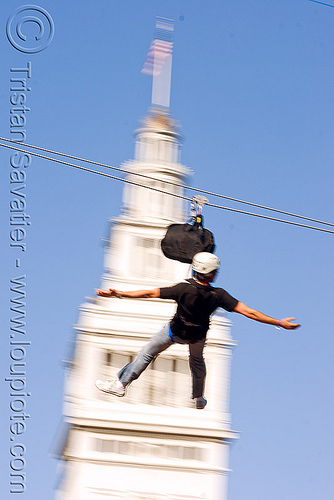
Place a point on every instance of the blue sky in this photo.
(252, 86)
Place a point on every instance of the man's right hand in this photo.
(287, 325)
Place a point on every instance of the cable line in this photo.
(162, 190)
(270, 218)
(92, 162)
(97, 172)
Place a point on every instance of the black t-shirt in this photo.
(195, 304)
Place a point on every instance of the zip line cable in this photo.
(92, 162)
(163, 191)
(322, 3)
(97, 172)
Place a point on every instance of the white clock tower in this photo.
(152, 444)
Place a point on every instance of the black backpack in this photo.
(183, 241)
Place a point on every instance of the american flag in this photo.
(161, 47)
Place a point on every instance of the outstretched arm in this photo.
(136, 294)
(262, 318)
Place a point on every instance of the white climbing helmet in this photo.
(205, 262)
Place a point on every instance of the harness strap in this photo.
(170, 334)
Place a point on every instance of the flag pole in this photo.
(158, 62)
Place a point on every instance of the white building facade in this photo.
(152, 444)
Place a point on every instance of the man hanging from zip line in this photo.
(196, 300)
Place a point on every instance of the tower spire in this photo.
(158, 62)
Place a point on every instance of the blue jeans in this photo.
(160, 342)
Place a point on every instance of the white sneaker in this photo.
(116, 388)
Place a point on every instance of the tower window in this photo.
(108, 358)
(149, 449)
